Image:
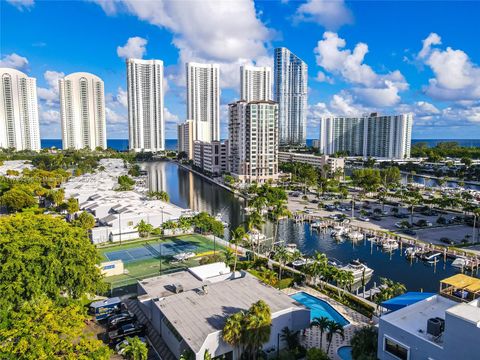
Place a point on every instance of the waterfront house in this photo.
(189, 308)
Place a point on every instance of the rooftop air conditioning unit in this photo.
(178, 288)
(434, 326)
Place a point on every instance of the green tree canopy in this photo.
(42, 254)
(85, 221)
(41, 330)
(17, 199)
(364, 344)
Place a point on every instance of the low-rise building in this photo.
(324, 162)
(211, 157)
(189, 308)
(441, 327)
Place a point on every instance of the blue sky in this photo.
(390, 57)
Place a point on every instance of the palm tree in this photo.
(255, 222)
(290, 337)
(207, 356)
(342, 278)
(144, 228)
(258, 323)
(318, 266)
(279, 211)
(229, 256)
(476, 215)
(364, 343)
(135, 349)
(232, 332)
(283, 256)
(237, 236)
(333, 328)
(322, 324)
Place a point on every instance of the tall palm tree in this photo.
(283, 256)
(232, 332)
(476, 216)
(318, 266)
(135, 349)
(334, 328)
(290, 337)
(236, 237)
(322, 324)
(255, 222)
(258, 326)
(279, 211)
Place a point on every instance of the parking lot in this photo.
(455, 233)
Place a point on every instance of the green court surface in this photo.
(142, 258)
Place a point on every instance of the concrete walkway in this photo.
(312, 336)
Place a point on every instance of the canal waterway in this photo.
(189, 190)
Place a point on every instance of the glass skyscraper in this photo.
(290, 92)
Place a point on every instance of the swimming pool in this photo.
(345, 352)
(319, 308)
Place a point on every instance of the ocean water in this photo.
(171, 144)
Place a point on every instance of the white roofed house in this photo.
(189, 308)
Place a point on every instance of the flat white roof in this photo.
(467, 311)
(413, 318)
(204, 272)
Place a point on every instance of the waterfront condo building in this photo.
(255, 83)
(19, 126)
(329, 165)
(211, 157)
(185, 138)
(203, 100)
(253, 140)
(82, 110)
(290, 92)
(370, 135)
(146, 128)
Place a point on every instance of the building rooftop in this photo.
(468, 311)
(413, 319)
(196, 313)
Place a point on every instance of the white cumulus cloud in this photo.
(331, 14)
(370, 88)
(14, 61)
(50, 94)
(457, 78)
(134, 48)
(22, 4)
(223, 32)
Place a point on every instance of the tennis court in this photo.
(152, 250)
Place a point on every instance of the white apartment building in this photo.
(255, 83)
(203, 100)
(146, 128)
(290, 92)
(324, 162)
(211, 157)
(185, 138)
(19, 127)
(253, 140)
(370, 135)
(82, 110)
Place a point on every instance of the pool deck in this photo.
(312, 336)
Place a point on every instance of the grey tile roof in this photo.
(195, 315)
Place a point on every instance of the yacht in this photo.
(338, 231)
(412, 251)
(255, 235)
(390, 245)
(317, 225)
(360, 270)
(301, 262)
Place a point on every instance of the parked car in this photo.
(363, 218)
(132, 329)
(116, 321)
(376, 217)
(409, 232)
(448, 241)
(400, 225)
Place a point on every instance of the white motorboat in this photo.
(338, 231)
(412, 251)
(255, 235)
(299, 262)
(461, 262)
(184, 256)
(317, 225)
(360, 270)
(355, 235)
(431, 256)
(390, 245)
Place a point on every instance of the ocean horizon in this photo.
(171, 144)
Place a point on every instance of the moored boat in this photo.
(390, 245)
(360, 270)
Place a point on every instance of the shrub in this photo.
(284, 283)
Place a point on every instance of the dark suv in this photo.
(132, 329)
(115, 321)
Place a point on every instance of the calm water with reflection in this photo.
(192, 191)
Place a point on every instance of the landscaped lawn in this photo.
(150, 266)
